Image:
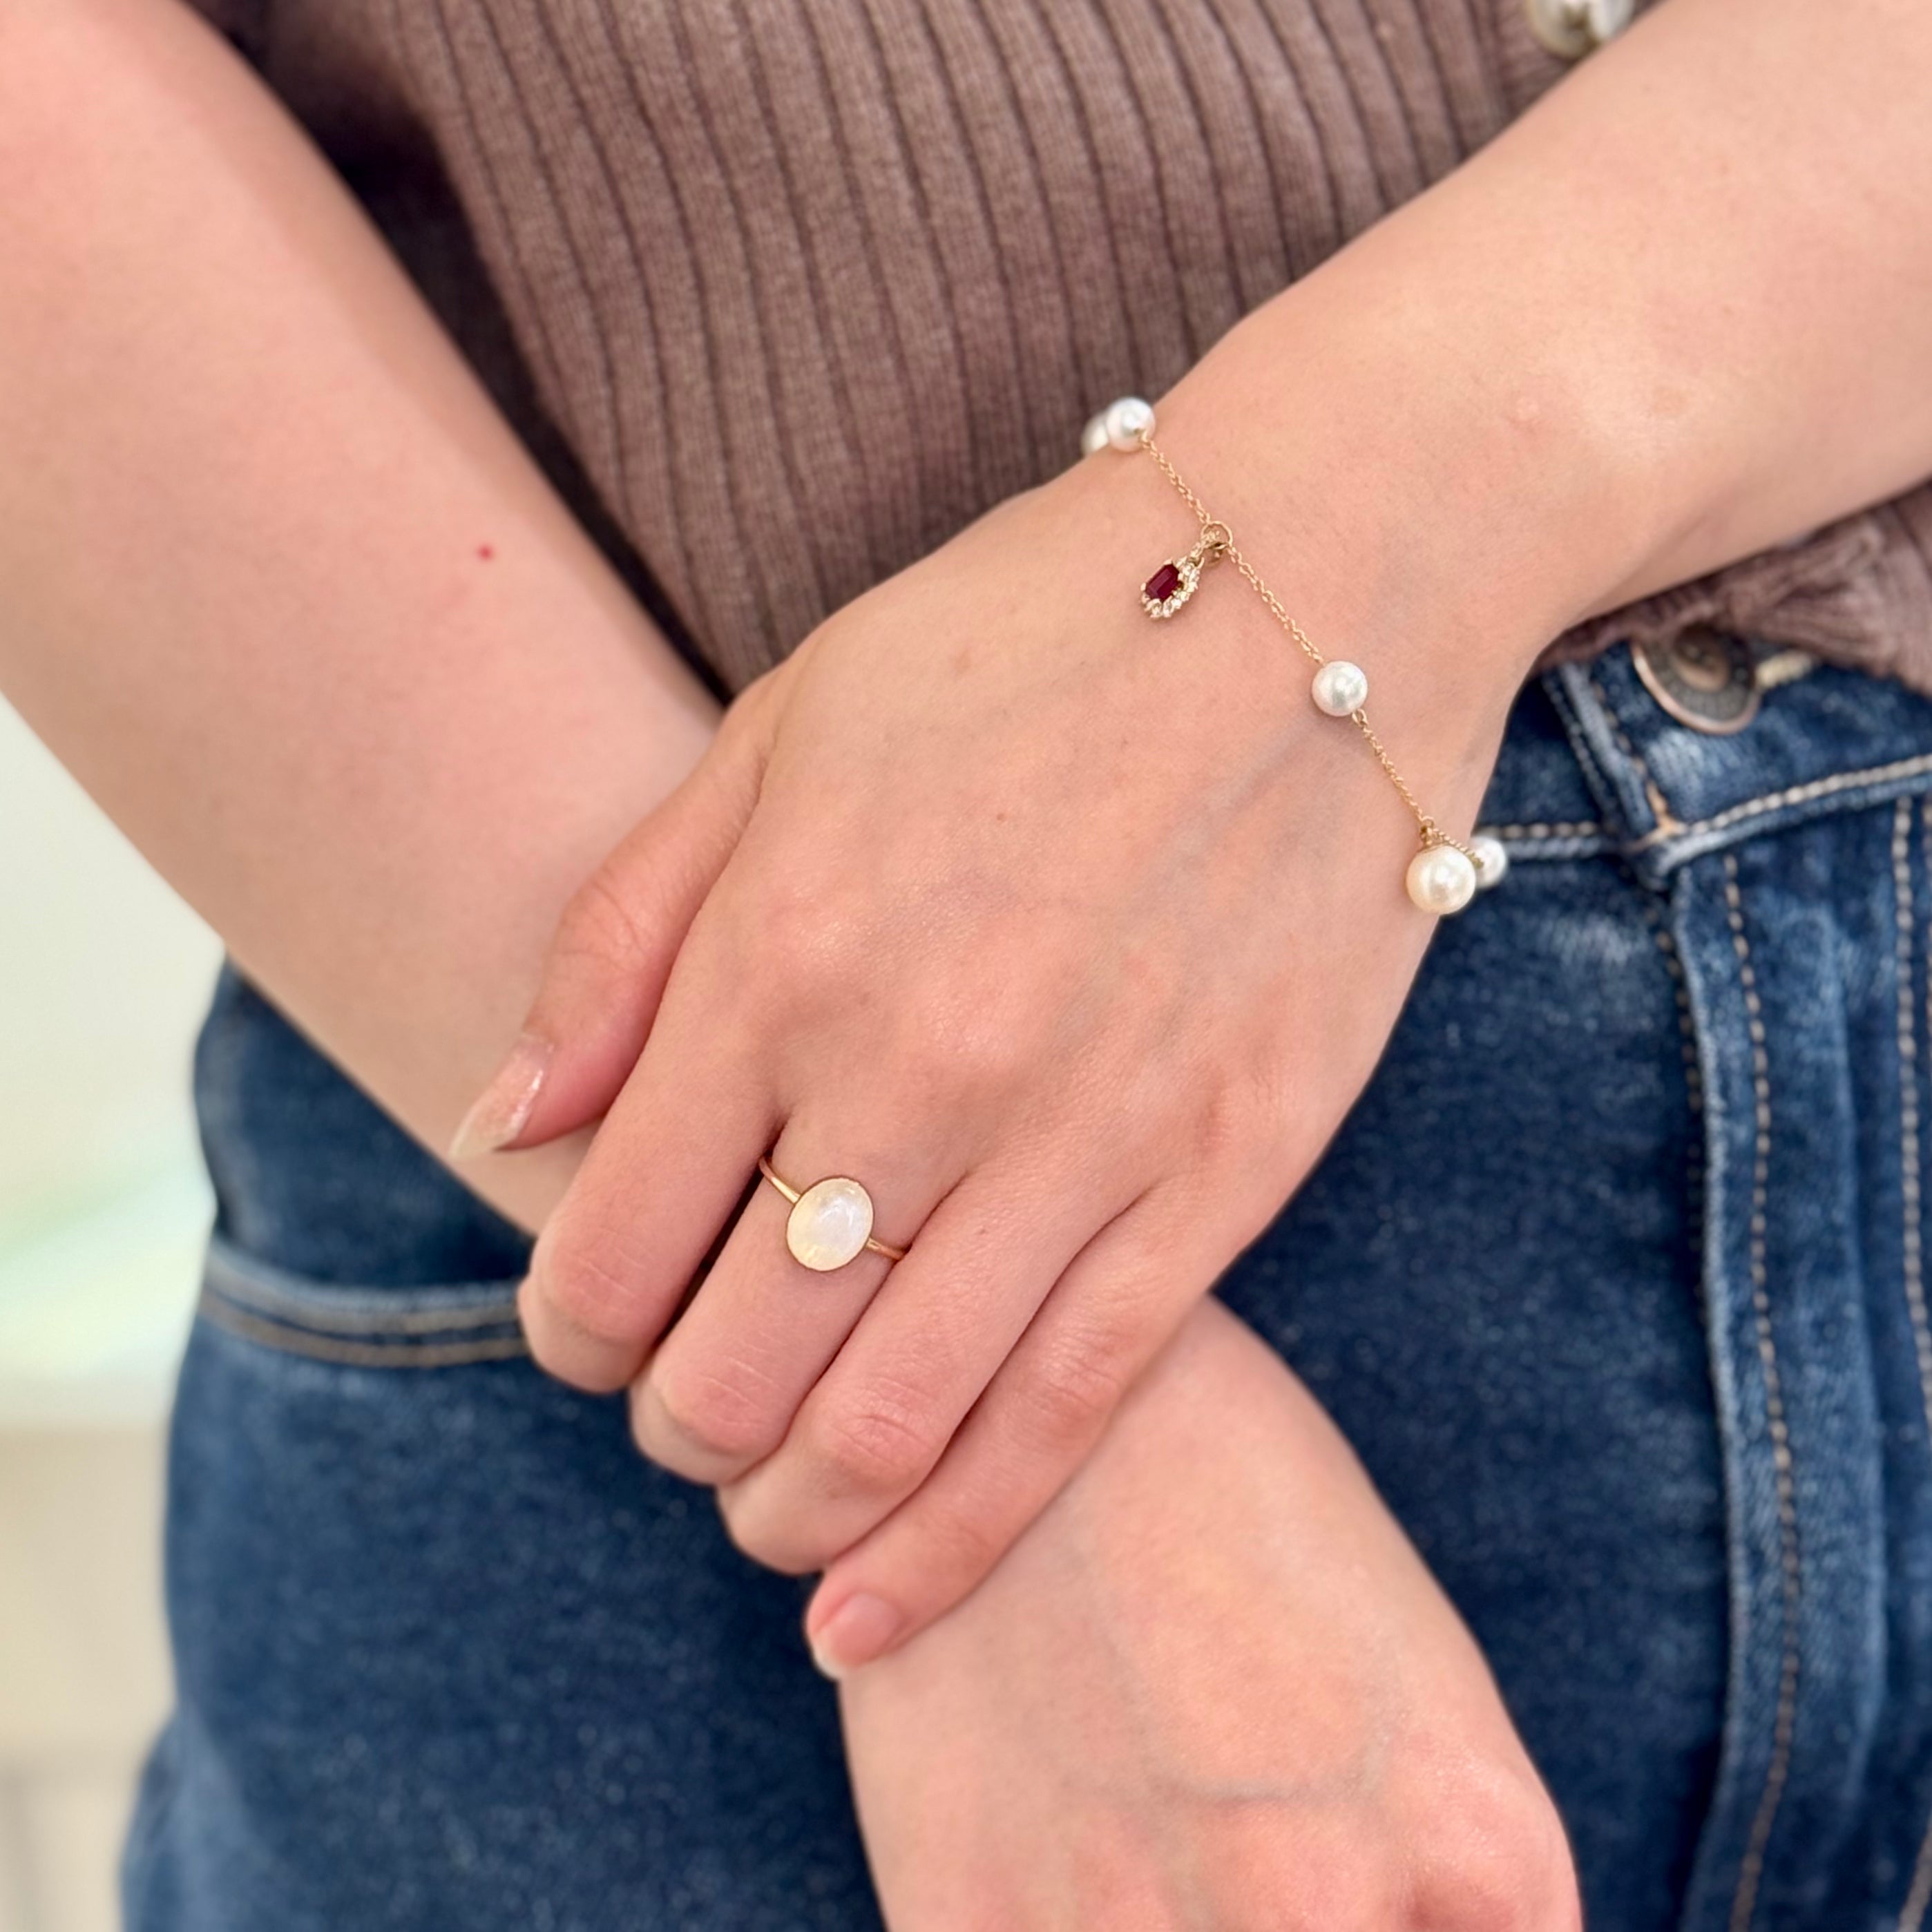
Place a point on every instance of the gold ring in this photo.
(830, 1223)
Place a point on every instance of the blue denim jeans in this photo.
(1615, 1277)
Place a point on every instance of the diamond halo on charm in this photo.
(1171, 585)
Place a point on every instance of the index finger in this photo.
(659, 1184)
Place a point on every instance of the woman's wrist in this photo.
(1672, 317)
(1413, 508)
(1397, 518)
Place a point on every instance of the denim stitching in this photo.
(1798, 794)
(361, 1354)
(262, 1303)
(1912, 1913)
(1673, 964)
(1913, 1255)
(1693, 1072)
(1580, 828)
(1750, 1871)
(1596, 774)
(1752, 808)
(1660, 806)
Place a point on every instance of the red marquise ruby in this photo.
(1163, 583)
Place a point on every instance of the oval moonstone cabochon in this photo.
(829, 1224)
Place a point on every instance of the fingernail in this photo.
(854, 1633)
(502, 1109)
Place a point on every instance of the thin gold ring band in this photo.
(796, 1195)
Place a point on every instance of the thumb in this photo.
(614, 947)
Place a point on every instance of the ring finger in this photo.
(875, 1423)
(722, 1387)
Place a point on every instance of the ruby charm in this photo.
(1163, 583)
(1172, 585)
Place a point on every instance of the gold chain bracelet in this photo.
(1443, 876)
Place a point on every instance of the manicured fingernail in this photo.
(502, 1109)
(854, 1633)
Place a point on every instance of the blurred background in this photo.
(103, 1206)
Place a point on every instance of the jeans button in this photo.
(1703, 678)
(1574, 27)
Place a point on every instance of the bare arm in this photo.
(245, 488)
(1680, 312)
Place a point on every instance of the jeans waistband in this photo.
(1594, 763)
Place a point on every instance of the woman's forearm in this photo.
(247, 489)
(1679, 312)
(1721, 232)
(278, 583)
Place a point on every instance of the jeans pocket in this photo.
(437, 1328)
(449, 1652)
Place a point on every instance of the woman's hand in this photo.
(1071, 934)
(1213, 1687)
(1072, 937)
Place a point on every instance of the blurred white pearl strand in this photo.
(1492, 860)
(1118, 426)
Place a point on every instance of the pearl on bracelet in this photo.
(1492, 861)
(1440, 880)
(1340, 688)
(1125, 420)
(1094, 437)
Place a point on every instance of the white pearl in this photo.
(1492, 861)
(1126, 419)
(829, 1223)
(1094, 437)
(1340, 688)
(1440, 880)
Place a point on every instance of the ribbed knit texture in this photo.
(806, 285)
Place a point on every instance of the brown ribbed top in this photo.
(802, 286)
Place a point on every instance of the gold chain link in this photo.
(1223, 545)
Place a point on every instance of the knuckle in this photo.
(1544, 1883)
(1228, 1124)
(1239, 1158)
(791, 1541)
(592, 1287)
(747, 716)
(601, 929)
(957, 1547)
(881, 1444)
(1502, 1860)
(986, 1023)
(724, 1409)
(1335, 1886)
(1351, 1904)
(1078, 1388)
(974, 1049)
